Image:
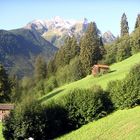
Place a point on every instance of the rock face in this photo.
(108, 37)
(56, 29)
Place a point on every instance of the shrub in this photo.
(86, 105)
(37, 121)
(56, 120)
(116, 90)
(123, 48)
(51, 84)
(23, 122)
(69, 73)
(126, 93)
(135, 41)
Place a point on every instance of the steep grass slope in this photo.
(1, 136)
(118, 71)
(121, 125)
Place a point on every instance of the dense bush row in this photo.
(55, 118)
(37, 121)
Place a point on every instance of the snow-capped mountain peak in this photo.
(56, 22)
(57, 28)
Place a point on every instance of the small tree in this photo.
(40, 68)
(137, 24)
(124, 25)
(5, 86)
(135, 41)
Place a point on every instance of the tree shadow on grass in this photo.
(50, 95)
(112, 71)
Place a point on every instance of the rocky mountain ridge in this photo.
(56, 29)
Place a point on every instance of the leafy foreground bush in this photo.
(34, 120)
(126, 93)
(86, 105)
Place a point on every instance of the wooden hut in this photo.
(97, 69)
(5, 110)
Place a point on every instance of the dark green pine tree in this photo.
(69, 50)
(75, 48)
(40, 68)
(90, 51)
(66, 50)
(5, 86)
(137, 24)
(51, 67)
(124, 25)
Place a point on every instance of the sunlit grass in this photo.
(1, 136)
(121, 125)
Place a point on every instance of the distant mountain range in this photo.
(56, 29)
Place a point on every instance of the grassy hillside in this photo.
(1, 136)
(118, 71)
(121, 125)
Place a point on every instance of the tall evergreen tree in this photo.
(5, 86)
(51, 68)
(124, 25)
(63, 56)
(40, 68)
(75, 48)
(137, 24)
(68, 51)
(90, 51)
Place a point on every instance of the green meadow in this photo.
(117, 71)
(1, 136)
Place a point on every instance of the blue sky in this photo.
(106, 13)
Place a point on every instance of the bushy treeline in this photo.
(124, 46)
(7, 86)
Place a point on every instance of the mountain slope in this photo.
(121, 125)
(118, 71)
(19, 48)
(55, 30)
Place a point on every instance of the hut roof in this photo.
(101, 66)
(6, 106)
